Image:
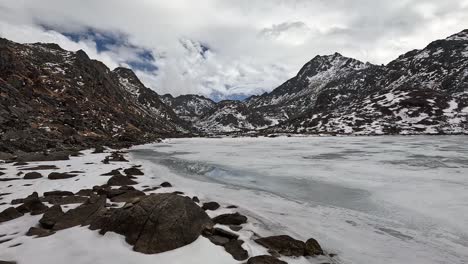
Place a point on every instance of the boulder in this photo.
(41, 167)
(58, 193)
(166, 185)
(120, 180)
(9, 214)
(127, 196)
(210, 206)
(84, 214)
(218, 240)
(234, 247)
(62, 200)
(39, 232)
(230, 219)
(112, 173)
(32, 176)
(283, 244)
(32, 204)
(265, 259)
(313, 248)
(156, 223)
(51, 216)
(133, 172)
(85, 192)
(60, 175)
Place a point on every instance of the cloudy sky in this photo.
(226, 48)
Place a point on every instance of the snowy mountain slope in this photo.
(421, 92)
(232, 116)
(53, 98)
(297, 94)
(189, 107)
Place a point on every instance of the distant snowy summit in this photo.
(53, 98)
(421, 92)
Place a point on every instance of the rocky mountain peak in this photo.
(462, 36)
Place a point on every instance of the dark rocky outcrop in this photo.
(46, 91)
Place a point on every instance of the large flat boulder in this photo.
(156, 223)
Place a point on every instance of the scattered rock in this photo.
(51, 216)
(157, 223)
(133, 172)
(84, 214)
(166, 185)
(284, 245)
(235, 227)
(16, 245)
(60, 175)
(113, 173)
(32, 176)
(127, 196)
(151, 189)
(58, 193)
(9, 214)
(63, 200)
(195, 199)
(85, 192)
(120, 180)
(99, 149)
(39, 232)
(313, 248)
(41, 167)
(230, 219)
(231, 207)
(234, 247)
(265, 259)
(20, 163)
(210, 206)
(218, 240)
(32, 204)
(41, 156)
(8, 179)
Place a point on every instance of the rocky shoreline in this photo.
(152, 218)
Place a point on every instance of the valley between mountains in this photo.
(51, 98)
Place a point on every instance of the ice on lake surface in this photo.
(387, 199)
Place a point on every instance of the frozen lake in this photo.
(367, 199)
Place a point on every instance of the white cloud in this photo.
(255, 45)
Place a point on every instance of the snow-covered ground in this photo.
(366, 199)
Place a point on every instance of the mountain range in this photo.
(52, 98)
